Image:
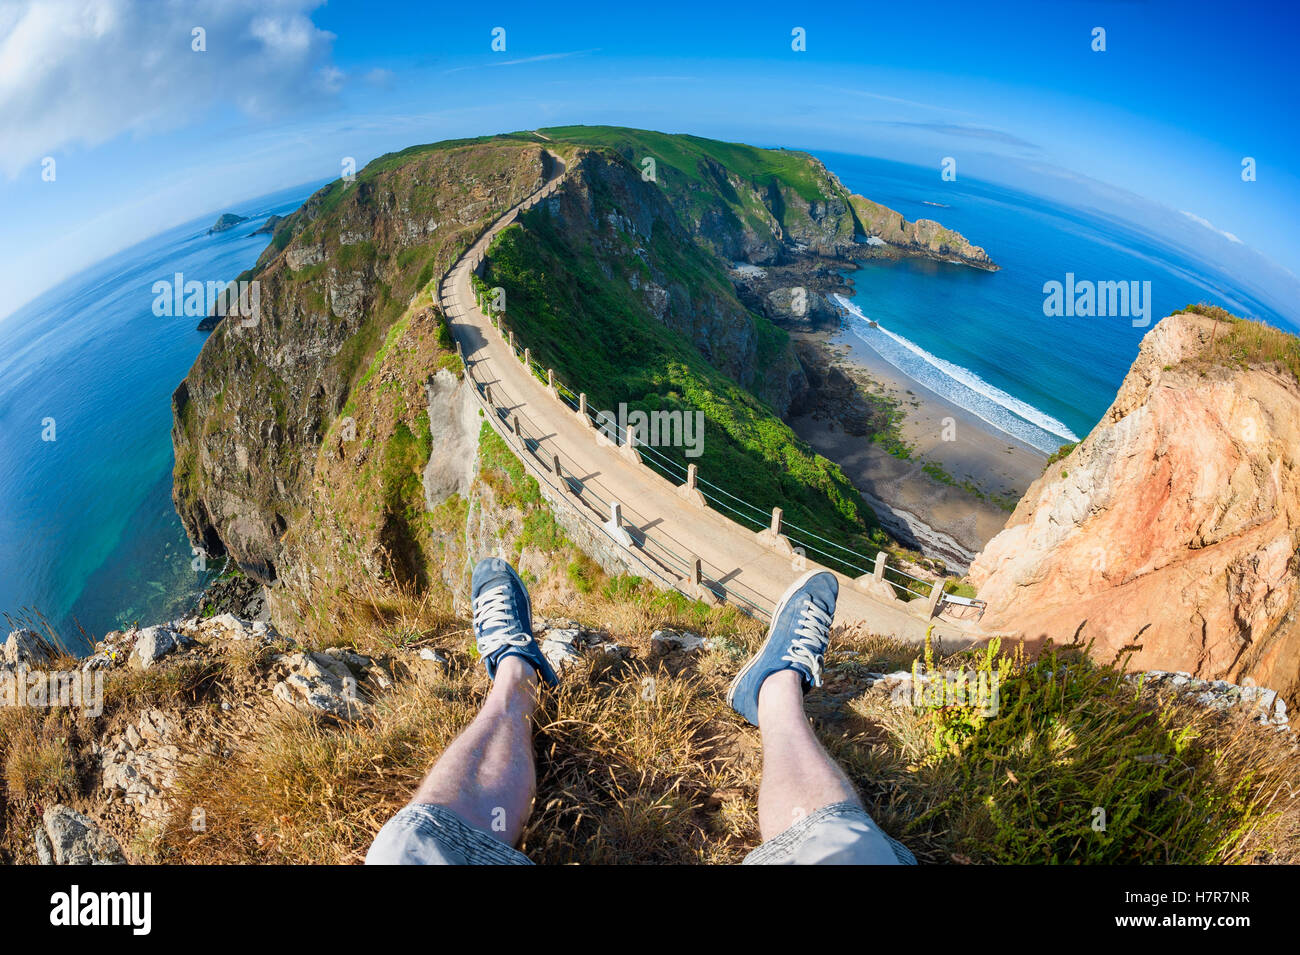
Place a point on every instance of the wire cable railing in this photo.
(657, 556)
(908, 586)
(510, 422)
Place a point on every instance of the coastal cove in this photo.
(987, 385)
(972, 349)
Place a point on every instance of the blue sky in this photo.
(146, 133)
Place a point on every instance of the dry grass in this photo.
(1244, 343)
(637, 758)
(38, 754)
(373, 615)
(640, 760)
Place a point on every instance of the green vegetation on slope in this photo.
(687, 169)
(599, 338)
(683, 153)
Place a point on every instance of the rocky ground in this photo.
(137, 763)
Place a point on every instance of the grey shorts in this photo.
(839, 834)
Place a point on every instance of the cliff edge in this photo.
(1173, 527)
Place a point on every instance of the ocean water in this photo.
(89, 539)
(981, 339)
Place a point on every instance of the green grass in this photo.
(687, 169)
(936, 472)
(684, 153)
(600, 339)
(959, 588)
(404, 457)
(1060, 454)
(1075, 766)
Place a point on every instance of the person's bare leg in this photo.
(798, 775)
(487, 775)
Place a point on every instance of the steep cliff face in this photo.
(250, 416)
(1174, 525)
(635, 236)
(923, 235)
(769, 206)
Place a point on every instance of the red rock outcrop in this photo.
(1173, 526)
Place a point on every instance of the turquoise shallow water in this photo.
(980, 338)
(88, 536)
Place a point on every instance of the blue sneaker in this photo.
(796, 641)
(503, 619)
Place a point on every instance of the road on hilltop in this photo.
(751, 572)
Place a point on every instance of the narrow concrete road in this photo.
(666, 528)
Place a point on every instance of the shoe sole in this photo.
(793, 589)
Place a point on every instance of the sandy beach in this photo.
(942, 520)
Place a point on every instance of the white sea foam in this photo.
(966, 389)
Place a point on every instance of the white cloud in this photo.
(81, 72)
(540, 58)
(1211, 226)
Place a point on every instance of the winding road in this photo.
(663, 526)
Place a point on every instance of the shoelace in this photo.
(810, 641)
(495, 611)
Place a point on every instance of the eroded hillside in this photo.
(1174, 527)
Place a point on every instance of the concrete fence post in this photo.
(875, 584)
(628, 449)
(550, 378)
(932, 604)
(689, 489)
(772, 537)
(528, 358)
(512, 341)
(615, 524)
